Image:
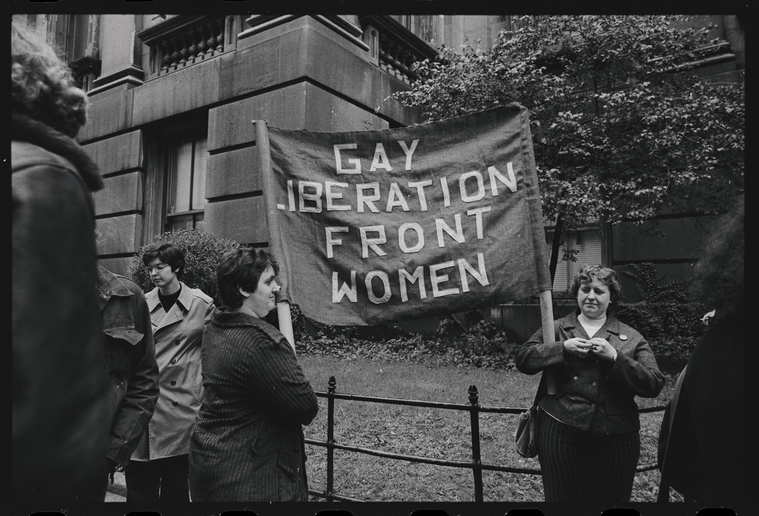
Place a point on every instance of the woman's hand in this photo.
(602, 349)
(577, 347)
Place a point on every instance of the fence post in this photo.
(477, 462)
(330, 437)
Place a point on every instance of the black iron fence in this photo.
(475, 465)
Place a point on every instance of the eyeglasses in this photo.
(158, 268)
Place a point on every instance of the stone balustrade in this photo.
(394, 48)
(187, 39)
(183, 40)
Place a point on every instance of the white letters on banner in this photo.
(313, 195)
(452, 277)
(381, 291)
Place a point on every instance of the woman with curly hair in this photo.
(588, 436)
(43, 87)
(704, 443)
(60, 389)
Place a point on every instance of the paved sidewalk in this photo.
(116, 492)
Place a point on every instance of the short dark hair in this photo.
(168, 254)
(605, 275)
(241, 268)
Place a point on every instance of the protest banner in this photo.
(399, 224)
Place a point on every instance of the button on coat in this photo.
(594, 395)
(178, 338)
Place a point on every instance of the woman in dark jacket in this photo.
(588, 432)
(247, 441)
(60, 388)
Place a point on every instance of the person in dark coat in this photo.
(588, 437)
(131, 363)
(247, 441)
(61, 418)
(703, 451)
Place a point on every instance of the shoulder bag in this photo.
(524, 435)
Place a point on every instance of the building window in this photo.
(186, 185)
(77, 37)
(73, 35)
(586, 247)
(421, 25)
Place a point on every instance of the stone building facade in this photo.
(174, 96)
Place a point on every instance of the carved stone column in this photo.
(120, 64)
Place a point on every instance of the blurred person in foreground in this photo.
(703, 441)
(157, 471)
(61, 417)
(131, 364)
(247, 442)
(588, 436)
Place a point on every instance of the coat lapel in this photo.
(174, 315)
(159, 317)
(611, 328)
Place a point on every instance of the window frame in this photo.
(172, 181)
(578, 239)
(160, 144)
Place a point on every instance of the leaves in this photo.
(665, 316)
(480, 345)
(617, 133)
(202, 252)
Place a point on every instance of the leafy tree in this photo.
(622, 131)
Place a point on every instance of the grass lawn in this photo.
(436, 433)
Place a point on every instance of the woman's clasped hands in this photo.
(598, 346)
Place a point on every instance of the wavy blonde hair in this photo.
(42, 86)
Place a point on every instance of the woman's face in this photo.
(262, 300)
(593, 298)
(161, 274)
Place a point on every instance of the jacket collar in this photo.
(611, 325)
(109, 285)
(184, 299)
(25, 128)
(226, 317)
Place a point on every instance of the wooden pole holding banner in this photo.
(264, 157)
(546, 320)
(286, 322)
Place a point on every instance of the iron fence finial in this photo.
(473, 395)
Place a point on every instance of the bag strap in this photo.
(542, 389)
(543, 385)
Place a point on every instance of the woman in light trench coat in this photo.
(158, 470)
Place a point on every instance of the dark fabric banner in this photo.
(380, 226)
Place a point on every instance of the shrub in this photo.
(665, 311)
(202, 252)
(480, 344)
(672, 353)
(665, 316)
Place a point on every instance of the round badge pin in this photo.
(622, 336)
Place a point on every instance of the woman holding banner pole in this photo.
(588, 433)
(247, 442)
